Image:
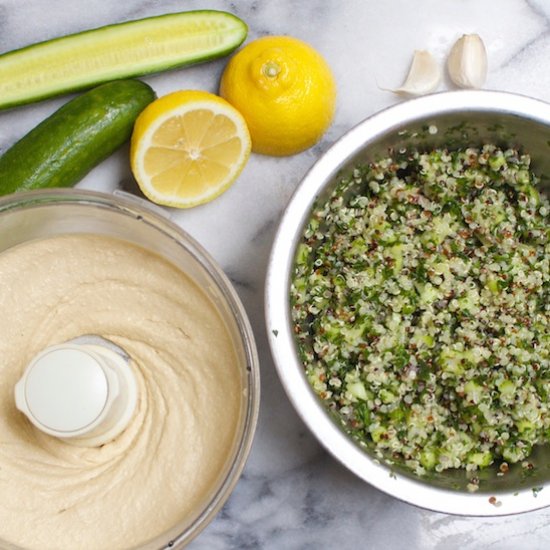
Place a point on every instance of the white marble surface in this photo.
(292, 494)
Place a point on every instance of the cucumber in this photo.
(62, 149)
(134, 48)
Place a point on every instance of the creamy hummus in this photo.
(164, 466)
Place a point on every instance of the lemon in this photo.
(286, 92)
(187, 148)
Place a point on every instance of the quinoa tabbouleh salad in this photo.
(420, 307)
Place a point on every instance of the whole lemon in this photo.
(285, 91)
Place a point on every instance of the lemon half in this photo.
(187, 148)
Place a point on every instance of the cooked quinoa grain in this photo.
(420, 307)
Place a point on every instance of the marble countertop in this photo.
(292, 494)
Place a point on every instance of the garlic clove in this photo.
(424, 75)
(467, 62)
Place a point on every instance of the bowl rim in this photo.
(278, 317)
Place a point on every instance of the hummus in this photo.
(169, 460)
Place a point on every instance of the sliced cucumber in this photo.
(144, 46)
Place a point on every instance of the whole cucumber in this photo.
(62, 149)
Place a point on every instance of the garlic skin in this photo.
(424, 75)
(467, 62)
